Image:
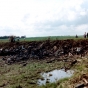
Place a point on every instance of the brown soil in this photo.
(64, 50)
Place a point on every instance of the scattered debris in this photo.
(85, 84)
(15, 52)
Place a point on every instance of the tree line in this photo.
(6, 37)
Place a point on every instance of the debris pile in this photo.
(17, 51)
(84, 83)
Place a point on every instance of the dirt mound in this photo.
(15, 52)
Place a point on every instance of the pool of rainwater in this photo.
(54, 76)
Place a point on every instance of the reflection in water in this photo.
(54, 76)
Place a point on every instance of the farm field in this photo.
(45, 38)
(21, 63)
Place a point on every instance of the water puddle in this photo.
(54, 76)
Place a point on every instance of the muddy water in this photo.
(54, 76)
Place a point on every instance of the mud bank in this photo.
(18, 51)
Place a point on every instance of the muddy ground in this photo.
(48, 51)
(59, 49)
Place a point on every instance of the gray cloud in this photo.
(81, 19)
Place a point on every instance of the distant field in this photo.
(45, 38)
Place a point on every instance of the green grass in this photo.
(51, 38)
(45, 38)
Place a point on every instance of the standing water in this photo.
(54, 76)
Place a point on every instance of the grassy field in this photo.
(45, 38)
(51, 38)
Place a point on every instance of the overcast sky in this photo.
(43, 17)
